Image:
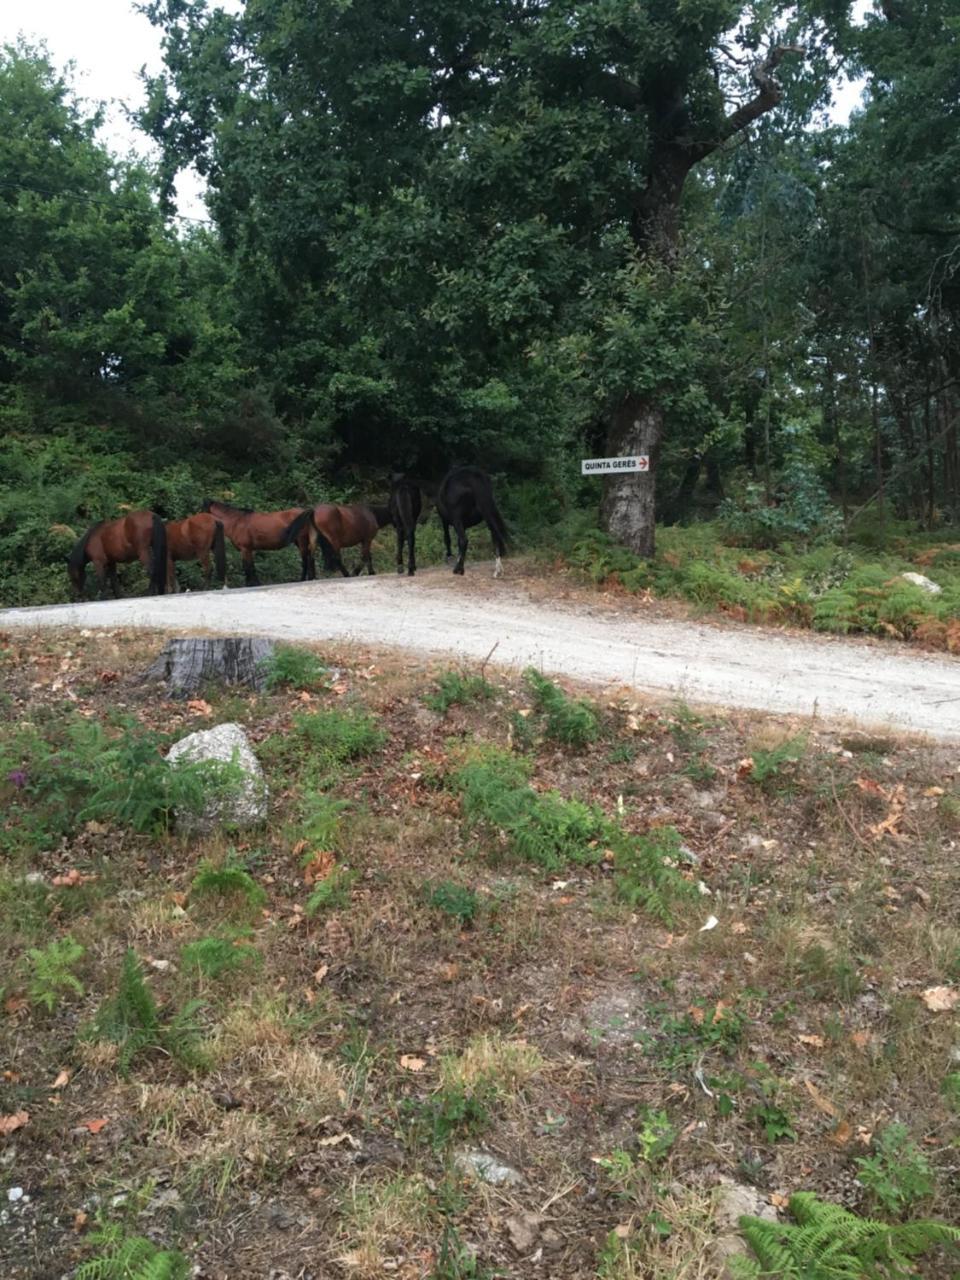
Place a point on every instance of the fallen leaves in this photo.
(95, 1126)
(10, 1124)
(411, 1063)
(62, 1080)
(896, 801)
(822, 1103)
(319, 867)
(200, 706)
(813, 1042)
(71, 879)
(940, 999)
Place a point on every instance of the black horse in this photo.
(465, 499)
(404, 507)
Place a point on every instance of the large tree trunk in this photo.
(190, 664)
(627, 508)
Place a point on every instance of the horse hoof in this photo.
(410, 572)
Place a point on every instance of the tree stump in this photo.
(189, 664)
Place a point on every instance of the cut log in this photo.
(190, 664)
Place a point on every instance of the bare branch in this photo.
(769, 95)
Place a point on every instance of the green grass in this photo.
(570, 721)
(456, 688)
(293, 668)
(216, 956)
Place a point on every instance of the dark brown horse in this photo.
(405, 507)
(464, 500)
(340, 526)
(138, 536)
(251, 531)
(193, 539)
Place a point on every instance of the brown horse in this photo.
(251, 531)
(340, 526)
(138, 536)
(193, 539)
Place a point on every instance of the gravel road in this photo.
(870, 685)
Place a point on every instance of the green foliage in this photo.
(950, 1088)
(568, 720)
(455, 688)
(803, 511)
(133, 1021)
(51, 972)
(453, 899)
(898, 1175)
(455, 1110)
(655, 1137)
(332, 892)
(456, 1261)
(539, 827)
(126, 1257)
(647, 870)
(827, 1242)
(80, 771)
(774, 1121)
(333, 737)
(829, 975)
(228, 881)
(293, 668)
(769, 765)
(216, 956)
(708, 1026)
(320, 821)
(543, 828)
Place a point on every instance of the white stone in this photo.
(15, 1194)
(487, 1168)
(247, 805)
(925, 584)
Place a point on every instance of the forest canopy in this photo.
(506, 233)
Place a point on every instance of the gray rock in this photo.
(734, 1202)
(242, 806)
(925, 584)
(524, 1230)
(482, 1165)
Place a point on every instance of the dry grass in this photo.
(338, 1062)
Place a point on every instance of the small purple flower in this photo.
(17, 777)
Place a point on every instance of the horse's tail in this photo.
(495, 521)
(330, 558)
(78, 556)
(158, 556)
(296, 527)
(220, 553)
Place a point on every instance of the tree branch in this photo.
(769, 95)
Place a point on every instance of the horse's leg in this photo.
(368, 557)
(308, 565)
(461, 546)
(108, 573)
(412, 555)
(446, 538)
(339, 563)
(203, 560)
(400, 537)
(249, 571)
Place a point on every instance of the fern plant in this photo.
(216, 956)
(125, 1257)
(51, 972)
(293, 668)
(132, 1021)
(647, 871)
(331, 892)
(228, 881)
(568, 720)
(827, 1242)
(455, 688)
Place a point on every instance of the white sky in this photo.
(109, 42)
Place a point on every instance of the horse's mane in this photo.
(226, 506)
(78, 556)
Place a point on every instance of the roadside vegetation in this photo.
(512, 979)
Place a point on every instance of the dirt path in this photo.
(871, 685)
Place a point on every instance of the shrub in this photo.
(337, 736)
(453, 900)
(647, 870)
(455, 688)
(803, 511)
(568, 720)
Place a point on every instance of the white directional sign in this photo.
(614, 466)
